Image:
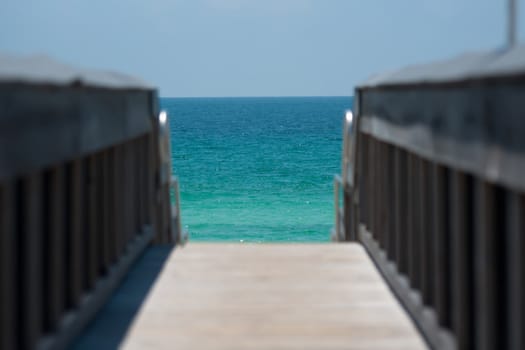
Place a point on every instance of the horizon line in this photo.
(265, 96)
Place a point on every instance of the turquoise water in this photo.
(257, 169)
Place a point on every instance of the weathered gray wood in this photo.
(378, 229)
(118, 200)
(141, 170)
(76, 250)
(144, 204)
(462, 240)
(382, 199)
(139, 184)
(473, 68)
(488, 252)
(401, 211)
(31, 269)
(435, 122)
(363, 160)
(42, 126)
(92, 223)
(75, 321)
(461, 246)
(54, 252)
(426, 320)
(128, 190)
(370, 185)
(426, 233)
(104, 211)
(373, 188)
(271, 296)
(417, 259)
(110, 205)
(135, 185)
(441, 243)
(515, 271)
(390, 203)
(150, 176)
(411, 226)
(349, 215)
(9, 291)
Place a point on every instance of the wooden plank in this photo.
(401, 211)
(515, 271)
(8, 267)
(126, 179)
(435, 121)
(31, 270)
(441, 244)
(415, 233)
(42, 127)
(425, 231)
(104, 211)
(92, 222)
(462, 272)
(136, 186)
(150, 181)
(363, 159)
(118, 201)
(349, 217)
(436, 336)
(371, 189)
(489, 271)
(411, 246)
(79, 318)
(157, 208)
(110, 206)
(76, 249)
(374, 213)
(271, 296)
(141, 170)
(144, 169)
(54, 253)
(383, 200)
(378, 232)
(391, 200)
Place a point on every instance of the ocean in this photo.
(257, 169)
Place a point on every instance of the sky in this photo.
(191, 48)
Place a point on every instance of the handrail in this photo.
(80, 199)
(180, 236)
(441, 202)
(338, 234)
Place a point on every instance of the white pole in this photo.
(511, 34)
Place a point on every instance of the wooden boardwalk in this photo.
(271, 296)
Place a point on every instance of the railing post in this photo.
(9, 289)
(30, 225)
(337, 230)
(76, 250)
(462, 242)
(515, 273)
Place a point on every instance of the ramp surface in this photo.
(271, 296)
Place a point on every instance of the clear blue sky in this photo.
(252, 47)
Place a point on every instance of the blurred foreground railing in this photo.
(79, 201)
(438, 194)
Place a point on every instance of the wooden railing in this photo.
(80, 198)
(438, 200)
